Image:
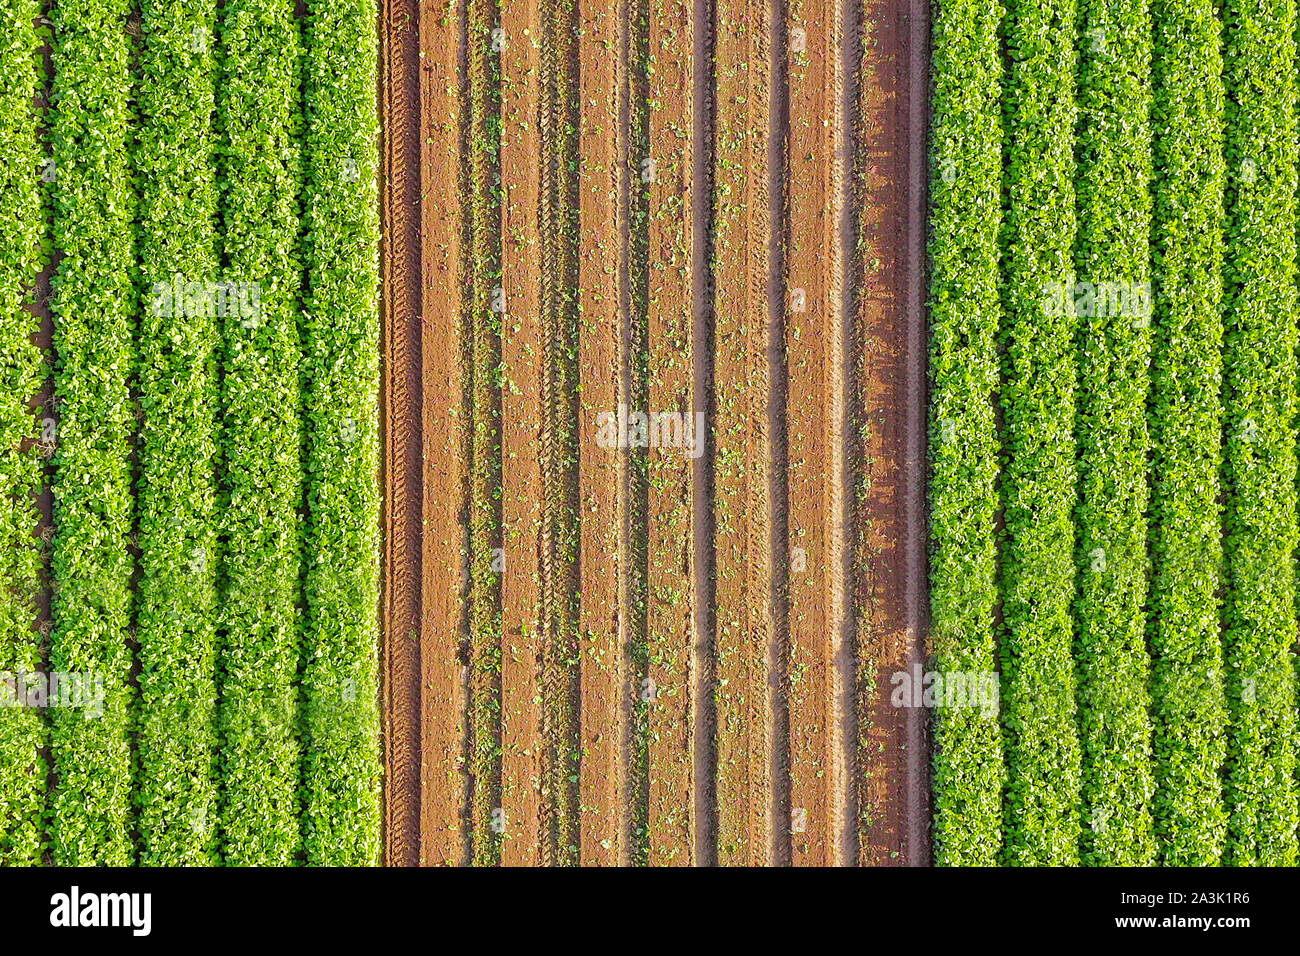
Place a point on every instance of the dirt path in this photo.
(600, 340)
(814, 400)
(890, 528)
(444, 445)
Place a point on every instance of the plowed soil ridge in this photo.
(740, 454)
(600, 358)
(813, 365)
(524, 804)
(559, 453)
(671, 601)
(444, 442)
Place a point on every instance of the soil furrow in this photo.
(445, 444)
(703, 713)
(849, 446)
(522, 353)
(916, 781)
(742, 601)
(400, 325)
(600, 151)
(634, 367)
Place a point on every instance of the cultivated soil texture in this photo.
(654, 375)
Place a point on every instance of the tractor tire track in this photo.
(402, 506)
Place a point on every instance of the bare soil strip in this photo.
(600, 340)
(742, 558)
(545, 703)
(445, 446)
(671, 600)
(891, 770)
(522, 355)
(400, 256)
(813, 280)
(915, 399)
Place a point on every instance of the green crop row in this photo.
(1038, 485)
(260, 126)
(1190, 711)
(93, 304)
(22, 229)
(965, 313)
(176, 595)
(484, 143)
(1112, 251)
(1259, 431)
(341, 383)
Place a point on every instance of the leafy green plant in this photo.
(1190, 710)
(964, 316)
(22, 229)
(1112, 252)
(260, 131)
(94, 305)
(341, 383)
(1038, 481)
(175, 610)
(1259, 431)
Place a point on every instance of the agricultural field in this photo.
(649, 433)
(832, 432)
(1112, 430)
(189, 340)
